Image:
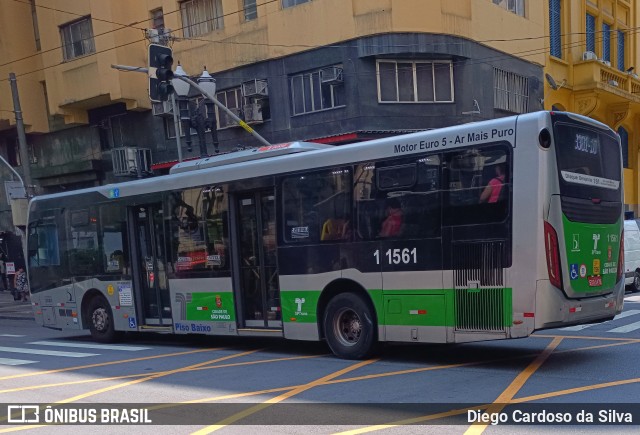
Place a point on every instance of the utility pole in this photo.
(22, 138)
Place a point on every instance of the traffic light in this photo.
(160, 73)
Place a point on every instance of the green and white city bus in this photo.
(483, 231)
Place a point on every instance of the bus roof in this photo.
(246, 155)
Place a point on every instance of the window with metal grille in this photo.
(606, 42)
(201, 16)
(250, 10)
(591, 33)
(555, 28)
(417, 82)
(621, 50)
(77, 38)
(510, 91)
(311, 93)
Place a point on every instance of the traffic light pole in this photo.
(206, 94)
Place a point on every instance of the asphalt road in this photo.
(240, 385)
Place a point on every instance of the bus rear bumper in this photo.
(554, 309)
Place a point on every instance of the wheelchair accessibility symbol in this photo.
(132, 322)
(574, 271)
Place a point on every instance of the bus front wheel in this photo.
(349, 326)
(101, 321)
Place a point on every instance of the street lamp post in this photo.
(198, 113)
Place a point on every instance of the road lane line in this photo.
(135, 375)
(14, 362)
(154, 376)
(11, 335)
(46, 352)
(626, 328)
(619, 316)
(108, 363)
(122, 347)
(515, 386)
(296, 390)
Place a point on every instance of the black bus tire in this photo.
(101, 321)
(349, 326)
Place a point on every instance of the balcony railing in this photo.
(592, 74)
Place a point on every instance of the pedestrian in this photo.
(20, 285)
(3, 271)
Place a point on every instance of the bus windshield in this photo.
(589, 163)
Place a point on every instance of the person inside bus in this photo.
(491, 193)
(392, 224)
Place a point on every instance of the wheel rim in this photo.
(347, 327)
(100, 319)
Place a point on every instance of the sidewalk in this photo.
(10, 309)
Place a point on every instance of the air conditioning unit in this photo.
(589, 55)
(331, 75)
(613, 83)
(131, 162)
(253, 113)
(164, 108)
(255, 88)
(606, 62)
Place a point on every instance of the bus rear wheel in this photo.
(101, 321)
(349, 326)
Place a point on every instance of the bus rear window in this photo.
(589, 163)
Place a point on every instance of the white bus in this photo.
(482, 231)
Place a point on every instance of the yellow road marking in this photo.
(513, 388)
(585, 337)
(137, 381)
(87, 381)
(154, 376)
(296, 390)
(144, 358)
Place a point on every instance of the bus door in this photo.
(149, 265)
(257, 275)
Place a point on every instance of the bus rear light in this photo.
(620, 259)
(553, 255)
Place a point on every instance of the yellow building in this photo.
(591, 70)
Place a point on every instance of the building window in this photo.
(232, 100)
(157, 19)
(36, 29)
(591, 33)
(515, 6)
(200, 17)
(77, 38)
(250, 10)
(418, 82)
(290, 3)
(606, 42)
(555, 28)
(17, 160)
(311, 93)
(510, 91)
(621, 50)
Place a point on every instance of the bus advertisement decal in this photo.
(211, 307)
